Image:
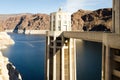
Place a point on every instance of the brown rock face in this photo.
(5, 18)
(77, 21)
(1, 25)
(26, 21)
(82, 20)
(98, 20)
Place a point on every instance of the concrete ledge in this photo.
(53, 33)
(110, 39)
(90, 36)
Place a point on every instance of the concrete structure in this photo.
(60, 21)
(111, 47)
(58, 59)
(110, 51)
(60, 51)
(116, 16)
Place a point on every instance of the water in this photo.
(88, 60)
(28, 57)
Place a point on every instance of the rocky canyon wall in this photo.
(98, 20)
(82, 20)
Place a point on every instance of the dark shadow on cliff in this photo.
(100, 28)
(12, 72)
(18, 25)
(24, 30)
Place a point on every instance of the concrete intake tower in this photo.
(60, 51)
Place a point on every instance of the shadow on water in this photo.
(89, 56)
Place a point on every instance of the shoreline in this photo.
(43, 32)
(7, 70)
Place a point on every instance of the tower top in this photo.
(60, 21)
(60, 9)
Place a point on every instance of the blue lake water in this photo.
(88, 60)
(28, 55)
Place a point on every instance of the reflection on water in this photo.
(88, 60)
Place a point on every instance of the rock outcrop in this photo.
(13, 72)
(5, 39)
(3, 69)
(7, 70)
(98, 20)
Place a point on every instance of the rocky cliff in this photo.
(83, 20)
(98, 20)
(77, 21)
(25, 22)
(3, 18)
(7, 70)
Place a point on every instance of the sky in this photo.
(48, 6)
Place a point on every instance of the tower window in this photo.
(59, 25)
(53, 27)
(54, 17)
(59, 22)
(59, 28)
(59, 16)
(65, 22)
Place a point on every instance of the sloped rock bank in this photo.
(7, 70)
